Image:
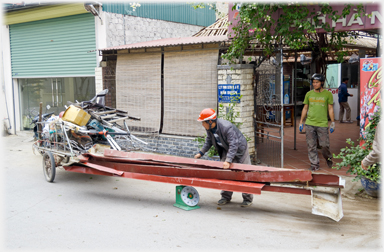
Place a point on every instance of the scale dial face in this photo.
(189, 196)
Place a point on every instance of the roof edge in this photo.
(168, 42)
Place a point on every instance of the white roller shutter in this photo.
(190, 85)
(138, 89)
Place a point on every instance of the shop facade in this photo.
(49, 51)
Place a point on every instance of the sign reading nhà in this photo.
(228, 93)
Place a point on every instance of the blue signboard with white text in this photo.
(228, 93)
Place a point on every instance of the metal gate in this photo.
(268, 114)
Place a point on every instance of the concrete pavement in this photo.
(81, 211)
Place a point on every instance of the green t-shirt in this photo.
(318, 107)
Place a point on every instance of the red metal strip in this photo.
(251, 176)
(234, 186)
(128, 160)
(192, 161)
(83, 158)
(282, 189)
(104, 169)
(325, 179)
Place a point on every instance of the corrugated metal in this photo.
(55, 47)
(43, 12)
(219, 28)
(175, 12)
(170, 42)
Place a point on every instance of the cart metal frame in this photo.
(55, 148)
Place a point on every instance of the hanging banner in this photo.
(370, 86)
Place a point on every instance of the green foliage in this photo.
(353, 155)
(212, 151)
(295, 26)
(227, 113)
(203, 5)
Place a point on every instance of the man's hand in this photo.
(301, 127)
(332, 128)
(364, 167)
(350, 95)
(226, 165)
(197, 155)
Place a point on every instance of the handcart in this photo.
(80, 127)
(58, 146)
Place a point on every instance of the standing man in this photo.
(343, 101)
(318, 103)
(229, 143)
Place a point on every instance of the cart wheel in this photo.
(49, 166)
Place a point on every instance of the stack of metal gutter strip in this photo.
(325, 190)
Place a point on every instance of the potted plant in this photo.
(353, 155)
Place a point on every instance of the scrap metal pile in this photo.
(88, 124)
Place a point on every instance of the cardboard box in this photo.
(76, 115)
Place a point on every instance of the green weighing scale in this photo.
(187, 198)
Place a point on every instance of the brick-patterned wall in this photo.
(243, 75)
(173, 145)
(109, 82)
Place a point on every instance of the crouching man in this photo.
(229, 143)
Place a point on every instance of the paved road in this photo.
(81, 211)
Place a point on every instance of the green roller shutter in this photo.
(57, 47)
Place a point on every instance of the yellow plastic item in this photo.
(76, 115)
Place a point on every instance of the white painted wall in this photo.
(6, 105)
(101, 42)
(352, 101)
(101, 33)
(98, 79)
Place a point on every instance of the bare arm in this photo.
(331, 113)
(304, 113)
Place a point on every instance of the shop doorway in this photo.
(55, 92)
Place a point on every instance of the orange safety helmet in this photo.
(207, 114)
